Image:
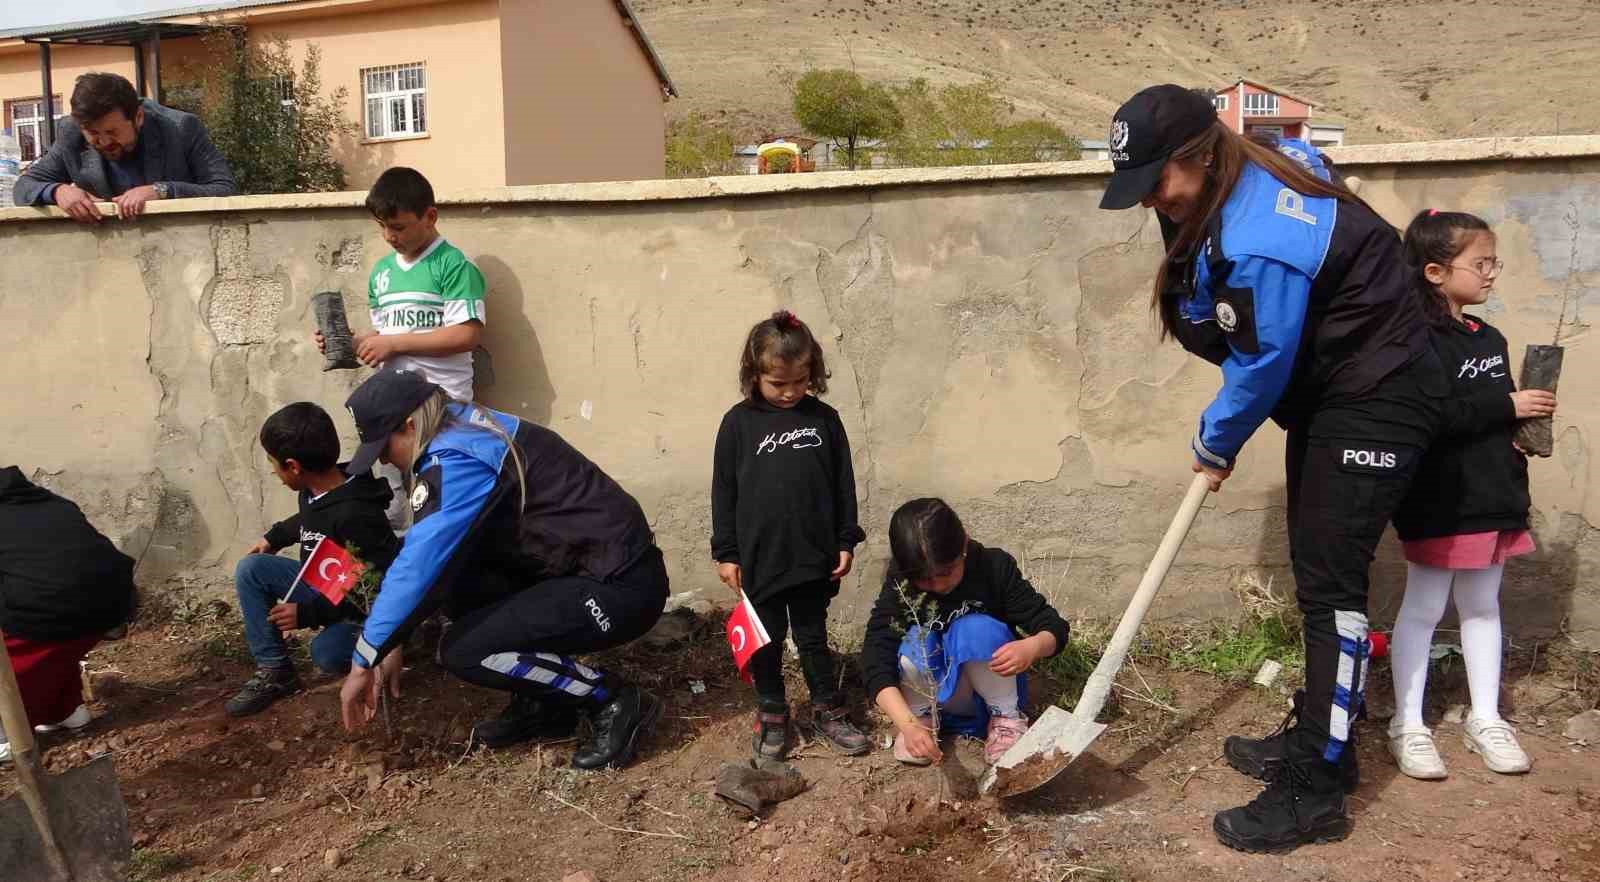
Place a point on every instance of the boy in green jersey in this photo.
(426, 298)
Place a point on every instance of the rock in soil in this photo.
(580, 876)
(1584, 727)
(332, 858)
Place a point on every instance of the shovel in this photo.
(1058, 737)
(65, 828)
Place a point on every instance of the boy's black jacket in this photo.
(60, 579)
(783, 495)
(1472, 483)
(354, 514)
(993, 585)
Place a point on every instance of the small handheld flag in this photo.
(330, 570)
(746, 634)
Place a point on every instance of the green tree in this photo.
(698, 148)
(970, 125)
(839, 105)
(271, 121)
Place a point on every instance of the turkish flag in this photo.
(746, 634)
(330, 570)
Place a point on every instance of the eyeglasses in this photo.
(1487, 267)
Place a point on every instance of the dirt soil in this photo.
(286, 795)
(1389, 71)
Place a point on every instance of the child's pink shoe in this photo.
(1003, 732)
(903, 753)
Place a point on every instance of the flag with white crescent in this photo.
(331, 570)
(746, 634)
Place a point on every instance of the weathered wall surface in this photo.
(987, 332)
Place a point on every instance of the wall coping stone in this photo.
(1543, 147)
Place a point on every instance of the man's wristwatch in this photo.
(163, 191)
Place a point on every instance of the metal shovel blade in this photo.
(1049, 746)
(90, 821)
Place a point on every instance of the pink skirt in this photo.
(1469, 551)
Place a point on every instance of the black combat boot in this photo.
(617, 727)
(1303, 802)
(1256, 757)
(527, 719)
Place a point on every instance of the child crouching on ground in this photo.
(302, 446)
(944, 630)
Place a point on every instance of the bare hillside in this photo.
(1389, 71)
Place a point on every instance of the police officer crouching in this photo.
(1299, 292)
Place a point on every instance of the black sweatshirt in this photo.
(355, 515)
(783, 494)
(992, 585)
(60, 578)
(1473, 483)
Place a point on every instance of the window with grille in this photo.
(396, 100)
(1221, 101)
(27, 124)
(1260, 104)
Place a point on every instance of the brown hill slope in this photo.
(1389, 71)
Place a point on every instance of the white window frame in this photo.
(1221, 101)
(394, 102)
(1261, 104)
(33, 123)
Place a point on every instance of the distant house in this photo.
(1250, 107)
(474, 93)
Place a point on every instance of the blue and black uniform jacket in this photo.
(475, 540)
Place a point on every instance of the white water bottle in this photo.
(10, 165)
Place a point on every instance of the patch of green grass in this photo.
(1235, 651)
(1072, 667)
(149, 864)
(371, 837)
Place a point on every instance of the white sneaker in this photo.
(1413, 748)
(74, 721)
(1496, 742)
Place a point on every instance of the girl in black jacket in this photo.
(944, 632)
(1467, 509)
(783, 522)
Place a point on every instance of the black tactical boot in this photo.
(1303, 802)
(264, 687)
(1256, 757)
(617, 727)
(526, 719)
(773, 736)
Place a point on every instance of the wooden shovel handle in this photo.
(1099, 683)
(25, 754)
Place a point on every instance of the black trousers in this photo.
(526, 642)
(1348, 468)
(805, 608)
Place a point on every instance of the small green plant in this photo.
(149, 864)
(1269, 629)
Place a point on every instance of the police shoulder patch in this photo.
(419, 496)
(1226, 317)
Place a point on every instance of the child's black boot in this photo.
(264, 687)
(772, 740)
(835, 727)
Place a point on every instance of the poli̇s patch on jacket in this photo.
(1372, 457)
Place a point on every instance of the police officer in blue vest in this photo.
(1299, 292)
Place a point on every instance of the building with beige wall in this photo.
(475, 93)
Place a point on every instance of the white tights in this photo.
(1477, 594)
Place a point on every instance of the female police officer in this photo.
(1299, 292)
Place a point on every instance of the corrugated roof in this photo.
(203, 8)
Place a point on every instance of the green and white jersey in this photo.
(440, 289)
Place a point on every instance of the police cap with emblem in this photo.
(380, 407)
(1145, 132)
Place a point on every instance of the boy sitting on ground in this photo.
(303, 449)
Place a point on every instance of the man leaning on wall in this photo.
(119, 148)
